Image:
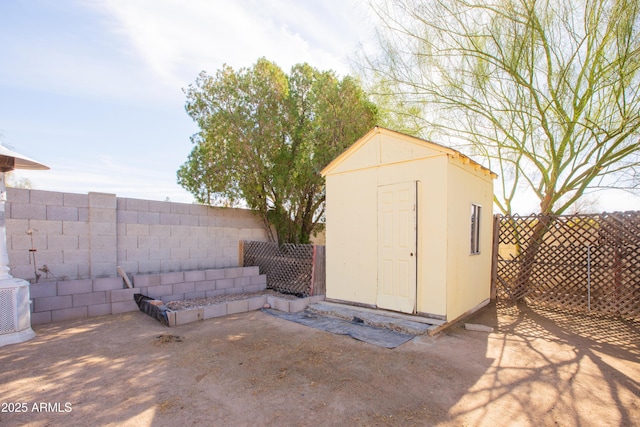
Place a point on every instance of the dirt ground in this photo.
(537, 368)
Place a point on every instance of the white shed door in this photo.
(397, 247)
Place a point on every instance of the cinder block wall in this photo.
(179, 286)
(86, 236)
(77, 299)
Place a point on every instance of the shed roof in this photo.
(380, 130)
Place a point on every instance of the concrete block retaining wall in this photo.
(240, 306)
(76, 299)
(179, 286)
(173, 251)
(86, 236)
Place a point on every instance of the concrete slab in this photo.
(376, 318)
(298, 305)
(382, 337)
(479, 328)
(398, 315)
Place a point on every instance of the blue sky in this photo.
(93, 88)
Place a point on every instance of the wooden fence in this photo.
(296, 269)
(587, 263)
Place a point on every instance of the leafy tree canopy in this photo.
(264, 137)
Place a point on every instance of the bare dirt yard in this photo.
(537, 368)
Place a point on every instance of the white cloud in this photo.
(115, 70)
(68, 52)
(145, 52)
(179, 39)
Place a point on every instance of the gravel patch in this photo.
(203, 302)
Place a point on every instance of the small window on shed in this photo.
(475, 228)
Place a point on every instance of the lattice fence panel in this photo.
(587, 263)
(289, 267)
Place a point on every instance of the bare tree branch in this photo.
(547, 92)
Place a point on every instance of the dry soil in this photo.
(537, 368)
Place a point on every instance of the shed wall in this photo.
(432, 237)
(450, 281)
(468, 276)
(352, 238)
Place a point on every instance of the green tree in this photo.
(12, 181)
(547, 91)
(265, 136)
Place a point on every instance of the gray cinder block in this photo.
(239, 306)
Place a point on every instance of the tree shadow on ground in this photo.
(557, 368)
(63, 376)
(537, 368)
(249, 369)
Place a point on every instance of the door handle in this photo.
(411, 254)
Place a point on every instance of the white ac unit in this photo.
(15, 312)
(8, 312)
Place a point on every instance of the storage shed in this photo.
(408, 227)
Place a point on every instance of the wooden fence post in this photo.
(313, 271)
(320, 270)
(241, 253)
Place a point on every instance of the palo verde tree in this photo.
(265, 136)
(547, 91)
